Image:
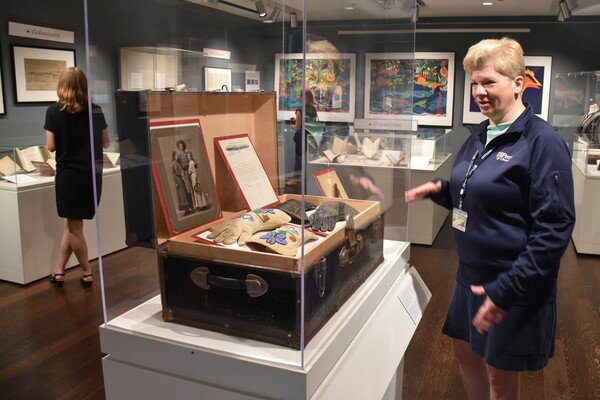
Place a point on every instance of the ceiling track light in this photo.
(260, 8)
(274, 15)
(414, 17)
(293, 19)
(564, 9)
(572, 4)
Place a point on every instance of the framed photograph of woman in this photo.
(420, 85)
(183, 175)
(330, 76)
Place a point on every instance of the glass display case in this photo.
(27, 165)
(424, 149)
(32, 164)
(586, 156)
(29, 213)
(577, 118)
(198, 116)
(179, 69)
(378, 164)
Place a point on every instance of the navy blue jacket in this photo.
(520, 211)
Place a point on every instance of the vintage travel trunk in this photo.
(247, 293)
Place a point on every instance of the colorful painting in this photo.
(330, 76)
(537, 90)
(419, 85)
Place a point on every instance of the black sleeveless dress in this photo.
(74, 169)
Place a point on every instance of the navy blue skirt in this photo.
(522, 341)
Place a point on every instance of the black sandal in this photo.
(57, 282)
(85, 283)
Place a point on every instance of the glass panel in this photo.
(201, 96)
(358, 74)
(576, 117)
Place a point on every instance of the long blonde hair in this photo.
(72, 90)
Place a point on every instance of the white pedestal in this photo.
(354, 356)
(30, 239)
(586, 234)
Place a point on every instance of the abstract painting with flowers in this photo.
(406, 84)
(330, 76)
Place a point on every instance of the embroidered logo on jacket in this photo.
(502, 156)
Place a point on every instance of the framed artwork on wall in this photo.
(217, 79)
(36, 71)
(538, 70)
(407, 84)
(331, 78)
(2, 104)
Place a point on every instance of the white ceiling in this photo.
(373, 9)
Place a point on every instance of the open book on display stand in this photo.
(337, 150)
(8, 167)
(110, 159)
(27, 155)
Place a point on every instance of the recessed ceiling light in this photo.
(486, 4)
(348, 8)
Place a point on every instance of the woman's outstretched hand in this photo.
(422, 191)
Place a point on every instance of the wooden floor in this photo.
(49, 344)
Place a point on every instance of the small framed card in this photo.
(247, 170)
(330, 184)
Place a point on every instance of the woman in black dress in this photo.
(68, 132)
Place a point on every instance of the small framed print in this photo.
(36, 71)
(247, 170)
(217, 79)
(330, 184)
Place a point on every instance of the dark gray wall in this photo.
(114, 24)
(570, 43)
(25, 121)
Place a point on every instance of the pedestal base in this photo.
(354, 356)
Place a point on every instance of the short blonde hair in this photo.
(506, 54)
(72, 90)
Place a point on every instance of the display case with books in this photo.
(577, 117)
(25, 165)
(423, 148)
(377, 164)
(586, 156)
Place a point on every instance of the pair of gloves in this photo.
(242, 228)
(324, 217)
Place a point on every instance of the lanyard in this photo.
(472, 167)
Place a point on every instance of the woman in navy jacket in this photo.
(511, 196)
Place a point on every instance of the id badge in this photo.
(459, 219)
